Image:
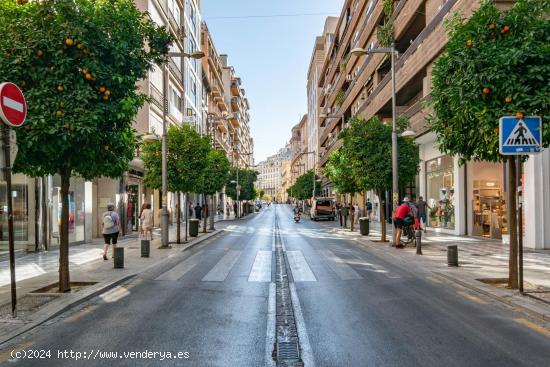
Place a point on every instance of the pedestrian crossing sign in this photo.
(520, 135)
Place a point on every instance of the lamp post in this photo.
(164, 208)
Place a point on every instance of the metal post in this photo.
(395, 152)
(186, 213)
(11, 248)
(164, 210)
(418, 235)
(520, 225)
(238, 192)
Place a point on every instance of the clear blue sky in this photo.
(272, 56)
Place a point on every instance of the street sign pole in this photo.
(520, 224)
(11, 248)
(13, 112)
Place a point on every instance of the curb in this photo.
(540, 315)
(77, 300)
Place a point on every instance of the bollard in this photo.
(364, 226)
(193, 227)
(418, 235)
(145, 248)
(118, 257)
(452, 255)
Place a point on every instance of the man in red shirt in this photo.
(401, 212)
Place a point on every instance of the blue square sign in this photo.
(520, 136)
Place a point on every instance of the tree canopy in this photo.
(338, 171)
(497, 64)
(303, 187)
(214, 176)
(246, 180)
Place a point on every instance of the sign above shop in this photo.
(520, 135)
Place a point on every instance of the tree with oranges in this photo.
(78, 62)
(497, 64)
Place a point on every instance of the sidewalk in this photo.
(38, 270)
(479, 258)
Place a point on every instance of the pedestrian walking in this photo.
(190, 210)
(339, 212)
(110, 228)
(146, 219)
(344, 215)
(423, 208)
(369, 209)
(356, 211)
(198, 212)
(235, 208)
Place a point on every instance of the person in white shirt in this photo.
(147, 221)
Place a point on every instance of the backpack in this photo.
(108, 221)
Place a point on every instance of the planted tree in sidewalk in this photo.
(246, 179)
(186, 153)
(213, 178)
(367, 145)
(338, 171)
(303, 187)
(78, 62)
(497, 64)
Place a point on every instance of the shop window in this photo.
(440, 192)
(20, 203)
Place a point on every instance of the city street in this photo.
(216, 305)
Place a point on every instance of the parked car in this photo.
(323, 208)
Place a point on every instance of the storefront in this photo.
(440, 192)
(23, 212)
(487, 200)
(77, 210)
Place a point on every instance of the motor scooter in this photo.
(297, 217)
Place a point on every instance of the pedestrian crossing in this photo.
(259, 268)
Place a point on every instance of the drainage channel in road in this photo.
(287, 343)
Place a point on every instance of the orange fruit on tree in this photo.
(59, 113)
(469, 42)
(60, 88)
(505, 28)
(107, 92)
(105, 98)
(106, 147)
(50, 16)
(102, 89)
(486, 90)
(492, 26)
(519, 115)
(39, 53)
(69, 42)
(84, 71)
(79, 46)
(89, 77)
(61, 104)
(508, 99)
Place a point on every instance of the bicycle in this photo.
(408, 237)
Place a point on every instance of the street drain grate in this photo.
(287, 345)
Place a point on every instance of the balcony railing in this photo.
(155, 95)
(174, 69)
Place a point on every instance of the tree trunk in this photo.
(178, 218)
(64, 278)
(206, 211)
(214, 207)
(512, 224)
(352, 216)
(45, 214)
(382, 209)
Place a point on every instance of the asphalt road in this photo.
(214, 304)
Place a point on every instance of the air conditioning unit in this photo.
(349, 78)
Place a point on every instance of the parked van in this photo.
(323, 208)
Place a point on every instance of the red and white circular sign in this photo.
(13, 107)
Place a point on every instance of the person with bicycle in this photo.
(401, 217)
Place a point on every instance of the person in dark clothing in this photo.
(235, 209)
(344, 213)
(198, 212)
(422, 208)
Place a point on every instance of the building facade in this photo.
(299, 149)
(468, 199)
(270, 177)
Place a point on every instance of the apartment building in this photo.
(467, 199)
(215, 106)
(270, 177)
(239, 116)
(299, 148)
(313, 91)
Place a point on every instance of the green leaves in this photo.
(365, 160)
(497, 64)
(78, 62)
(246, 179)
(303, 187)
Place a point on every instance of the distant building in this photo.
(270, 172)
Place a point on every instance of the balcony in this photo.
(236, 104)
(156, 95)
(235, 119)
(174, 69)
(235, 87)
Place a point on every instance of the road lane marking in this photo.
(339, 266)
(271, 323)
(306, 351)
(471, 297)
(181, 269)
(261, 269)
(220, 271)
(301, 272)
(531, 325)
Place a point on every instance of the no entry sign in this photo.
(13, 108)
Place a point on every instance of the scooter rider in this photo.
(296, 210)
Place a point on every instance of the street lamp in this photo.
(393, 52)
(164, 211)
